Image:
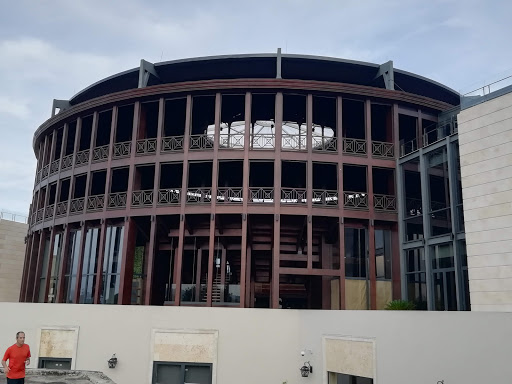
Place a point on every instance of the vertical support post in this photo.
(158, 169)
(420, 129)
(49, 267)
(38, 265)
(341, 200)
(108, 178)
(150, 262)
(309, 183)
(79, 269)
(243, 261)
(72, 180)
(277, 202)
(244, 276)
(29, 261)
(63, 265)
(99, 266)
(426, 228)
(198, 273)
(126, 278)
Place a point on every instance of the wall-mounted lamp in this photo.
(112, 362)
(306, 369)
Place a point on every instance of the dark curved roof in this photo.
(265, 66)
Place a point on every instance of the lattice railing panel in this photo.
(261, 195)
(67, 162)
(199, 195)
(117, 200)
(325, 144)
(45, 172)
(294, 142)
(200, 142)
(54, 167)
(48, 213)
(62, 209)
(77, 205)
(263, 141)
(100, 153)
(384, 202)
(172, 144)
(355, 200)
(354, 146)
(39, 215)
(293, 196)
(170, 196)
(95, 203)
(326, 198)
(82, 157)
(383, 149)
(145, 147)
(231, 141)
(121, 150)
(142, 198)
(230, 195)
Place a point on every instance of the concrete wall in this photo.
(485, 138)
(254, 346)
(12, 255)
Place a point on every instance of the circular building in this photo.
(251, 181)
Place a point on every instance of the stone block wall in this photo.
(12, 255)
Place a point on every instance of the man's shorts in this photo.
(15, 381)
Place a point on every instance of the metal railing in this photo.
(10, 216)
(48, 213)
(439, 132)
(142, 198)
(199, 195)
(200, 142)
(54, 167)
(67, 162)
(171, 196)
(45, 172)
(121, 150)
(231, 141)
(77, 206)
(39, 215)
(384, 202)
(263, 141)
(145, 147)
(294, 142)
(172, 144)
(261, 195)
(100, 153)
(230, 195)
(293, 196)
(354, 146)
(325, 198)
(82, 157)
(383, 149)
(62, 209)
(355, 200)
(95, 203)
(116, 200)
(325, 144)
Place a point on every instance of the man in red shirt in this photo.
(19, 357)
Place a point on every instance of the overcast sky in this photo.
(52, 49)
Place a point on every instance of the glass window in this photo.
(72, 264)
(355, 252)
(439, 202)
(44, 271)
(112, 265)
(442, 256)
(341, 378)
(413, 203)
(383, 253)
(138, 276)
(89, 266)
(416, 277)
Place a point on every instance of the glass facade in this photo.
(88, 281)
(433, 248)
(72, 264)
(55, 268)
(112, 265)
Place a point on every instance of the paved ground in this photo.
(43, 376)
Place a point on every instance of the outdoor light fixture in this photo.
(306, 369)
(112, 362)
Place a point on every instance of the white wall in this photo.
(485, 138)
(12, 255)
(263, 345)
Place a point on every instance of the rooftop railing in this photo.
(11, 216)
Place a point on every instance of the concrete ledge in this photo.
(48, 376)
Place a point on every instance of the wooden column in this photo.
(150, 262)
(274, 291)
(36, 268)
(371, 224)
(126, 278)
(341, 201)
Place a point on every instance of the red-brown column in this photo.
(309, 184)
(63, 266)
(99, 265)
(150, 261)
(79, 269)
(371, 209)
(341, 200)
(37, 266)
(125, 286)
(49, 265)
(277, 203)
(244, 276)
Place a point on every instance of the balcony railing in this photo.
(230, 195)
(95, 203)
(82, 157)
(39, 215)
(121, 150)
(67, 162)
(100, 153)
(62, 209)
(171, 196)
(293, 196)
(117, 200)
(142, 198)
(231, 141)
(439, 133)
(200, 142)
(172, 144)
(355, 200)
(45, 172)
(199, 195)
(77, 205)
(325, 144)
(384, 203)
(294, 142)
(383, 149)
(354, 146)
(261, 195)
(54, 167)
(325, 198)
(38, 176)
(263, 141)
(145, 147)
(48, 213)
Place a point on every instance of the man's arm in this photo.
(6, 367)
(27, 362)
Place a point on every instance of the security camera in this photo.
(302, 353)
